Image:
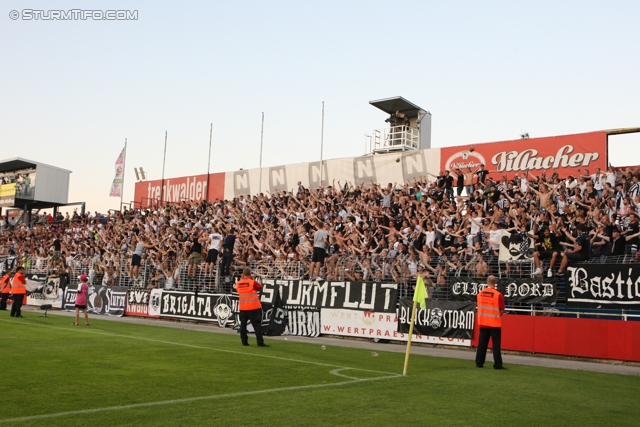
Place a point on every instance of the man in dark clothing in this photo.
(581, 250)
(227, 254)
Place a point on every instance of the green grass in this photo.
(50, 367)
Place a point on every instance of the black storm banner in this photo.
(528, 291)
(608, 285)
(364, 296)
(218, 308)
(449, 319)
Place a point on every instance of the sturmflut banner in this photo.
(449, 319)
(527, 291)
(366, 296)
(608, 285)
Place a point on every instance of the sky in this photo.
(73, 90)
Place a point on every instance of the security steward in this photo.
(250, 308)
(5, 289)
(490, 310)
(19, 291)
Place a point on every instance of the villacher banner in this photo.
(450, 319)
(110, 300)
(366, 296)
(206, 307)
(608, 285)
(527, 291)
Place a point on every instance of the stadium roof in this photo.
(19, 163)
(397, 103)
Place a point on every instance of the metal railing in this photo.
(396, 138)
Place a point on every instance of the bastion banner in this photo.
(606, 285)
(563, 154)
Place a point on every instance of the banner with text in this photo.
(450, 319)
(609, 285)
(143, 303)
(45, 289)
(527, 291)
(368, 324)
(109, 300)
(366, 296)
(206, 307)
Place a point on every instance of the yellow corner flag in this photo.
(420, 295)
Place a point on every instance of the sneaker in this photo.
(559, 273)
(501, 368)
(263, 345)
(537, 272)
(549, 273)
(246, 344)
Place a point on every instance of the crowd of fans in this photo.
(441, 226)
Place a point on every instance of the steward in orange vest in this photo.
(5, 290)
(250, 308)
(19, 291)
(490, 310)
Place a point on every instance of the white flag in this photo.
(116, 187)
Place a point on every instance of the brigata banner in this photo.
(206, 307)
(609, 285)
(367, 296)
(527, 291)
(110, 300)
(368, 324)
(450, 319)
(140, 302)
(45, 289)
(563, 154)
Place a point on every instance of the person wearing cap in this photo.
(81, 299)
(19, 291)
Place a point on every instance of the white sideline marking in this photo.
(336, 372)
(194, 399)
(88, 331)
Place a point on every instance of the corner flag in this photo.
(420, 295)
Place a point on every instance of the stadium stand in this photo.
(377, 232)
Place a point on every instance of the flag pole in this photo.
(261, 140)
(322, 146)
(164, 159)
(206, 197)
(420, 295)
(124, 169)
(406, 356)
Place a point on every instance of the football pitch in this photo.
(124, 374)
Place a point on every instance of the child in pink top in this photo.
(81, 300)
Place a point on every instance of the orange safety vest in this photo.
(5, 285)
(248, 295)
(18, 284)
(489, 308)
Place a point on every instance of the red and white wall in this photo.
(563, 154)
